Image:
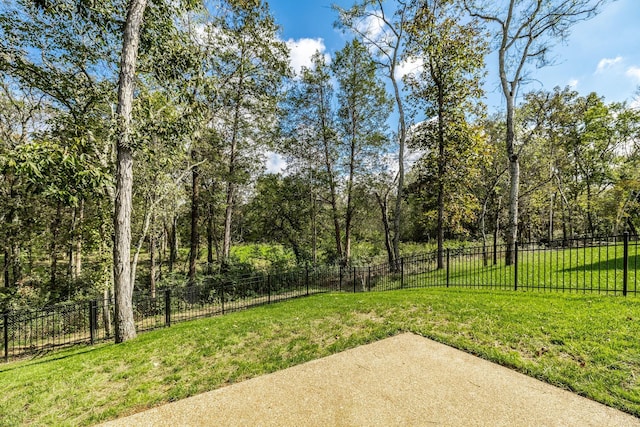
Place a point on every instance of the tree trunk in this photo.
(383, 202)
(441, 172)
(397, 218)
(551, 213)
(228, 216)
(106, 312)
(12, 261)
(512, 231)
(336, 220)
(16, 263)
(123, 286)
(328, 163)
(514, 173)
(152, 260)
(350, 209)
(195, 214)
(77, 271)
(72, 245)
(75, 245)
(496, 232)
(210, 257)
(590, 221)
(483, 228)
(172, 236)
(107, 278)
(314, 227)
(6, 268)
(53, 247)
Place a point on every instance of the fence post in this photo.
(625, 263)
(401, 273)
(6, 337)
(340, 284)
(167, 307)
(447, 265)
(92, 320)
(369, 280)
(515, 267)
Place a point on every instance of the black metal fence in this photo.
(602, 265)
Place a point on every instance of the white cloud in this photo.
(606, 63)
(573, 83)
(275, 163)
(409, 66)
(634, 72)
(372, 26)
(302, 50)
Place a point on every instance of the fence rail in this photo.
(606, 265)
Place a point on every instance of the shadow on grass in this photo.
(48, 356)
(610, 264)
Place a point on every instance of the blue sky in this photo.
(601, 55)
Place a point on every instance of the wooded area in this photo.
(133, 140)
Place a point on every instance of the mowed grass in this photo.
(580, 269)
(584, 343)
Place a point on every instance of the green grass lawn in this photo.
(581, 269)
(584, 343)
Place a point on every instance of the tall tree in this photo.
(280, 211)
(62, 52)
(363, 110)
(311, 136)
(253, 62)
(123, 286)
(381, 26)
(584, 142)
(448, 89)
(525, 32)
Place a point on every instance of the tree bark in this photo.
(402, 137)
(212, 244)
(441, 169)
(514, 168)
(106, 312)
(195, 215)
(72, 244)
(383, 202)
(512, 231)
(348, 226)
(53, 247)
(77, 271)
(172, 237)
(6, 268)
(152, 260)
(123, 286)
(314, 229)
(551, 214)
(231, 188)
(350, 208)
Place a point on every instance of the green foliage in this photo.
(262, 257)
(57, 172)
(579, 142)
(446, 91)
(281, 211)
(209, 103)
